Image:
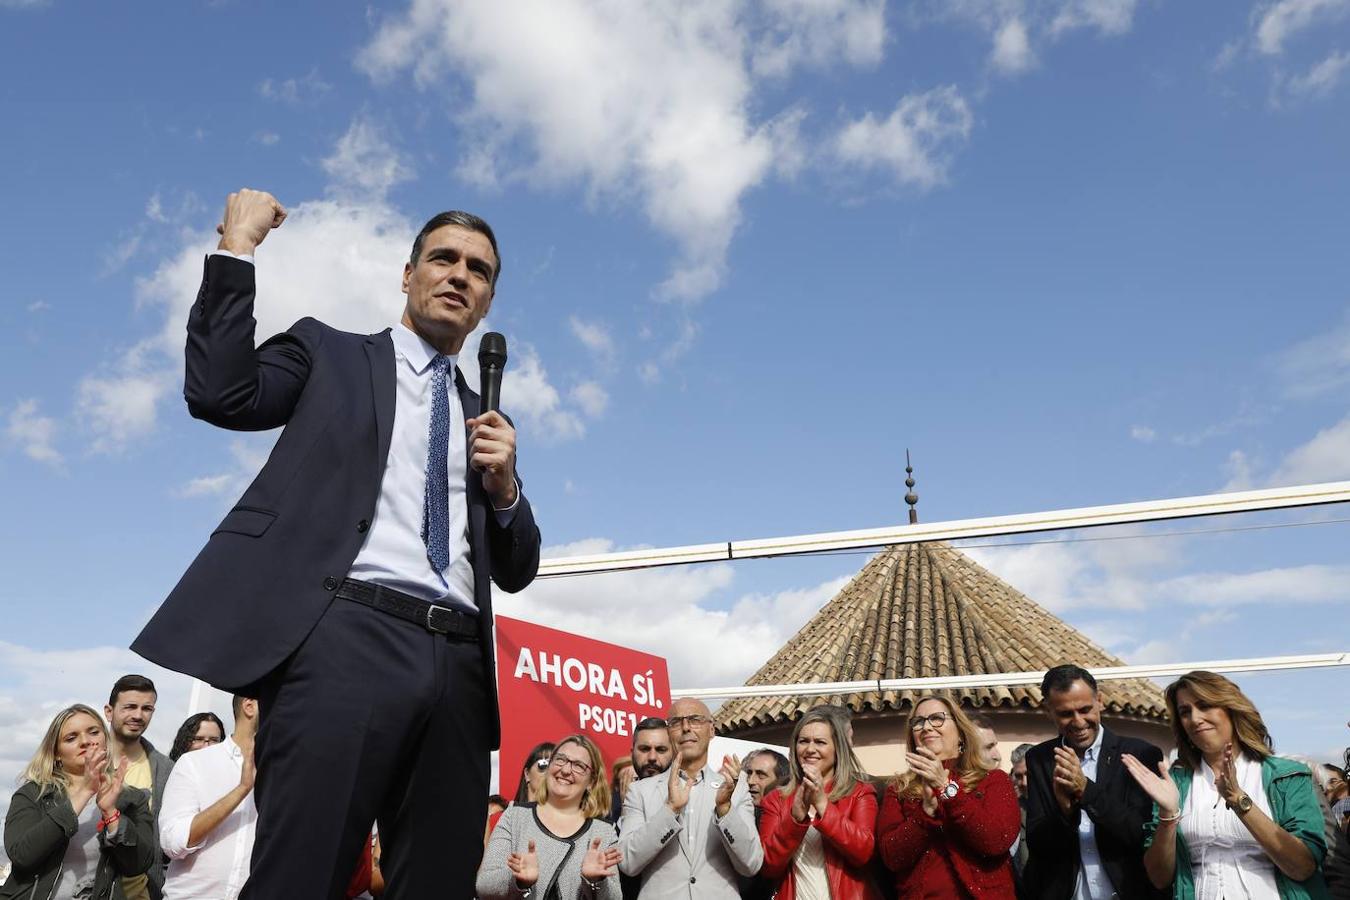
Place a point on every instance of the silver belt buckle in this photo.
(432, 628)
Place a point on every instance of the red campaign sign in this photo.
(553, 683)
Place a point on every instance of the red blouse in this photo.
(847, 832)
(960, 852)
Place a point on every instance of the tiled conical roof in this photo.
(926, 610)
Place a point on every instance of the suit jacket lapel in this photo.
(1109, 761)
(380, 354)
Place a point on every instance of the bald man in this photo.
(690, 831)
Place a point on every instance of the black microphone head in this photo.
(492, 350)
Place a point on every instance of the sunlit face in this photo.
(761, 776)
(989, 752)
(450, 287)
(208, 735)
(1077, 714)
(1208, 727)
(933, 727)
(1019, 777)
(130, 715)
(815, 747)
(651, 752)
(691, 728)
(569, 774)
(79, 739)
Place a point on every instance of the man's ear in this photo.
(407, 274)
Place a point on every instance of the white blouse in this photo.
(1227, 862)
(809, 868)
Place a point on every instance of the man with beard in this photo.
(130, 709)
(651, 756)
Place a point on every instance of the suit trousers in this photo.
(372, 719)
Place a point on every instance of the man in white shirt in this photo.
(688, 833)
(207, 822)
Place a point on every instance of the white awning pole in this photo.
(1003, 679)
(1055, 520)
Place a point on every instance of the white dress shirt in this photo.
(217, 868)
(811, 882)
(1093, 882)
(1227, 862)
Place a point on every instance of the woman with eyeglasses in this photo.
(560, 847)
(73, 830)
(818, 829)
(947, 824)
(201, 730)
(1230, 818)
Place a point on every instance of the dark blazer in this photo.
(270, 569)
(1117, 806)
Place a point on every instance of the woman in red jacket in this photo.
(817, 830)
(947, 824)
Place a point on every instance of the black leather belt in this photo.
(454, 624)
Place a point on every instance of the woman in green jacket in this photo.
(73, 830)
(1233, 820)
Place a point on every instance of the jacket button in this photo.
(330, 583)
(362, 526)
(692, 879)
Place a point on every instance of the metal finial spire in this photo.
(911, 498)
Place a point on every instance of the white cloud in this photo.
(1318, 364)
(1226, 56)
(645, 102)
(1280, 21)
(247, 456)
(819, 32)
(1110, 17)
(1322, 78)
(267, 138)
(1238, 471)
(1143, 434)
(591, 397)
(595, 337)
(1324, 458)
(670, 611)
(120, 408)
(38, 306)
(34, 434)
(1012, 53)
(1294, 584)
(304, 89)
(364, 164)
(915, 142)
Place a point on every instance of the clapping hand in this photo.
(815, 785)
(1160, 787)
(599, 864)
(525, 866)
(1069, 780)
(248, 773)
(1225, 778)
(731, 773)
(677, 792)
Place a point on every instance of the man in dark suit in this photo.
(1085, 815)
(349, 588)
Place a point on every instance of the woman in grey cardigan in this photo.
(560, 847)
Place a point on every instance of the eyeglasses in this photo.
(205, 740)
(676, 722)
(561, 762)
(937, 720)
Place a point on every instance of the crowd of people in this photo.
(101, 814)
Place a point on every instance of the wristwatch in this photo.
(950, 791)
(1242, 805)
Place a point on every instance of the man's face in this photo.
(450, 287)
(1077, 714)
(1019, 776)
(691, 729)
(130, 715)
(651, 752)
(760, 776)
(989, 747)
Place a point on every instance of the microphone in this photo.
(491, 362)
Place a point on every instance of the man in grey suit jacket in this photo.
(690, 832)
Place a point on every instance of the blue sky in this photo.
(1068, 252)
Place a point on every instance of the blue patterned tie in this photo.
(436, 499)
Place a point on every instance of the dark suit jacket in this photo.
(1118, 808)
(270, 569)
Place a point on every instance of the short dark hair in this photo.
(1061, 678)
(497, 800)
(651, 723)
(131, 683)
(460, 219)
(781, 768)
(237, 706)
